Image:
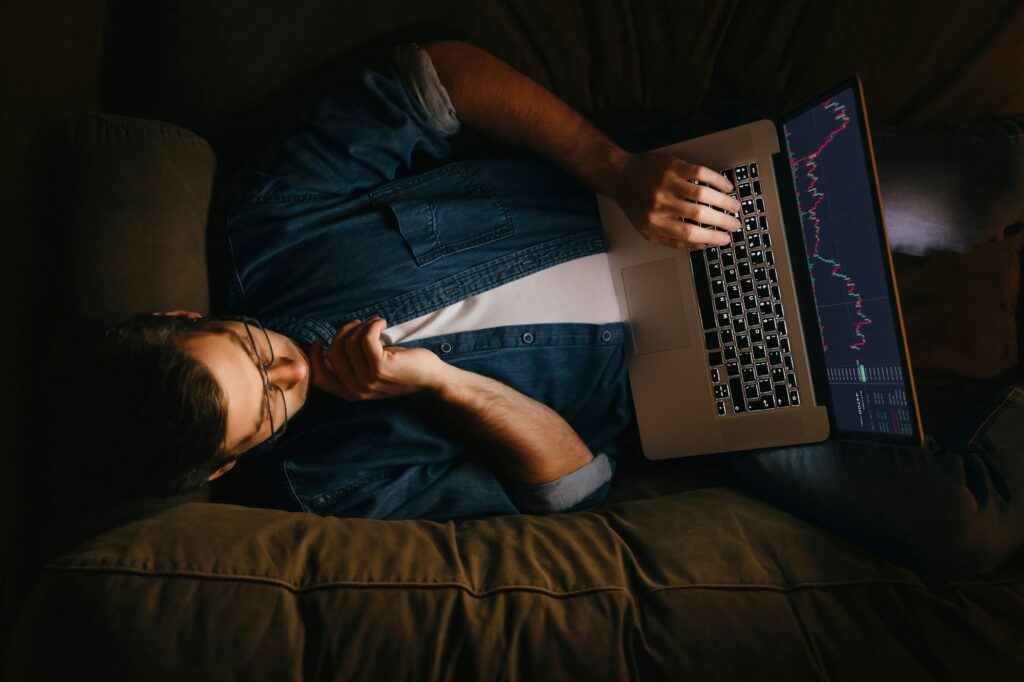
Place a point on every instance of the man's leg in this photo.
(951, 507)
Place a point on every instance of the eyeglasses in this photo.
(277, 426)
(264, 354)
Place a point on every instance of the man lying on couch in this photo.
(446, 345)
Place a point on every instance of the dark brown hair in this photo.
(138, 417)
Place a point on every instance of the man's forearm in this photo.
(493, 97)
(535, 445)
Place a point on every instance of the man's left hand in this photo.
(357, 366)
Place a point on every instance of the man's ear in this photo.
(180, 313)
(220, 472)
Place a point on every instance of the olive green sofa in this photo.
(682, 573)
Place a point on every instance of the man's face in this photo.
(227, 351)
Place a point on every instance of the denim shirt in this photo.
(332, 227)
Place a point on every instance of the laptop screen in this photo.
(849, 266)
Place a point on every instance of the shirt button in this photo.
(527, 337)
(606, 335)
(446, 348)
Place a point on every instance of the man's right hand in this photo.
(357, 366)
(656, 193)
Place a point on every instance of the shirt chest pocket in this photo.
(444, 211)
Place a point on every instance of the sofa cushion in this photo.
(658, 588)
(123, 208)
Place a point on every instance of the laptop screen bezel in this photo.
(803, 278)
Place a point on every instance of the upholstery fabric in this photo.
(709, 582)
(124, 206)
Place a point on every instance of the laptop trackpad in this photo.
(655, 303)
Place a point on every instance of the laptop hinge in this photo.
(802, 276)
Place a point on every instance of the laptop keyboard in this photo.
(746, 333)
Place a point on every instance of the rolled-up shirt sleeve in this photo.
(579, 490)
(420, 77)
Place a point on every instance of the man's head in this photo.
(161, 404)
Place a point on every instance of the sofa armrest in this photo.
(122, 209)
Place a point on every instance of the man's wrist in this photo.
(604, 168)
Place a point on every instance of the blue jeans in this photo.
(954, 506)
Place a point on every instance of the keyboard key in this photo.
(726, 335)
(781, 399)
(775, 359)
(732, 369)
(757, 186)
(766, 308)
(741, 251)
(789, 362)
(718, 286)
(746, 360)
(728, 259)
(734, 292)
(776, 292)
(766, 240)
(778, 374)
(745, 190)
(794, 397)
(741, 173)
(707, 313)
(791, 380)
(751, 391)
(763, 291)
(730, 274)
(759, 352)
(764, 403)
(710, 340)
(742, 341)
(748, 374)
(753, 170)
(749, 302)
(772, 340)
(778, 310)
(750, 223)
(756, 336)
(711, 253)
(747, 206)
(720, 407)
(714, 270)
(752, 319)
(748, 285)
(736, 308)
(737, 236)
(785, 345)
(744, 269)
(720, 303)
(715, 358)
(764, 385)
(773, 276)
(782, 326)
(714, 375)
(761, 368)
(729, 352)
(739, 325)
(723, 319)
(727, 173)
(757, 256)
(770, 257)
(768, 324)
(760, 205)
(721, 391)
(754, 240)
(760, 274)
(762, 221)
(737, 391)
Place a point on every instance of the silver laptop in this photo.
(792, 332)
